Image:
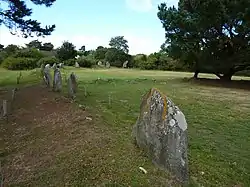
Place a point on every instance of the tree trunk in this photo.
(196, 74)
(226, 77)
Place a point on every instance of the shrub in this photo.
(116, 57)
(69, 62)
(139, 60)
(48, 60)
(86, 62)
(19, 63)
(29, 53)
(3, 55)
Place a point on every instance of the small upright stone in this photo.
(57, 83)
(61, 65)
(47, 66)
(54, 66)
(99, 63)
(47, 76)
(125, 64)
(107, 65)
(161, 130)
(77, 65)
(72, 85)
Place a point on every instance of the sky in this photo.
(93, 22)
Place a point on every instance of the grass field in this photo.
(218, 118)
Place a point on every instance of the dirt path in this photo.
(44, 137)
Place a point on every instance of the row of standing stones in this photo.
(160, 130)
(105, 64)
(57, 81)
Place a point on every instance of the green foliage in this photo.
(15, 18)
(116, 57)
(70, 62)
(211, 36)
(11, 49)
(19, 63)
(49, 53)
(120, 43)
(34, 44)
(82, 49)
(158, 61)
(86, 62)
(1, 47)
(66, 51)
(47, 47)
(29, 53)
(100, 53)
(3, 55)
(48, 60)
(139, 60)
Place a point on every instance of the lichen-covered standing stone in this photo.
(57, 83)
(161, 130)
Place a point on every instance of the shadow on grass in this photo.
(237, 84)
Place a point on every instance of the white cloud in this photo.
(138, 43)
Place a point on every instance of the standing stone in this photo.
(161, 130)
(54, 66)
(77, 65)
(47, 76)
(57, 83)
(107, 65)
(42, 67)
(125, 64)
(5, 109)
(61, 65)
(47, 66)
(99, 63)
(72, 85)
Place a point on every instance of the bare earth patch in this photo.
(42, 129)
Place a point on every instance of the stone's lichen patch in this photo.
(161, 130)
(181, 121)
(172, 122)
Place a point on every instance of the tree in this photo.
(83, 48)
(14, 18)
(116, 57)
(1, 47)
(34, 44)
(100, 53)
(66, 51)
(210, 36)
(11, 49)
(47, 46)
(120, 43)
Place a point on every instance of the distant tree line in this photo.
(36, 53)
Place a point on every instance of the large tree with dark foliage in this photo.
(120, 43)
(34, 44)
(66, 51)
(15, 18)
(212, 36)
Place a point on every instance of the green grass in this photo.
(218, 118)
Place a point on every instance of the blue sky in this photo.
(94, 22)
